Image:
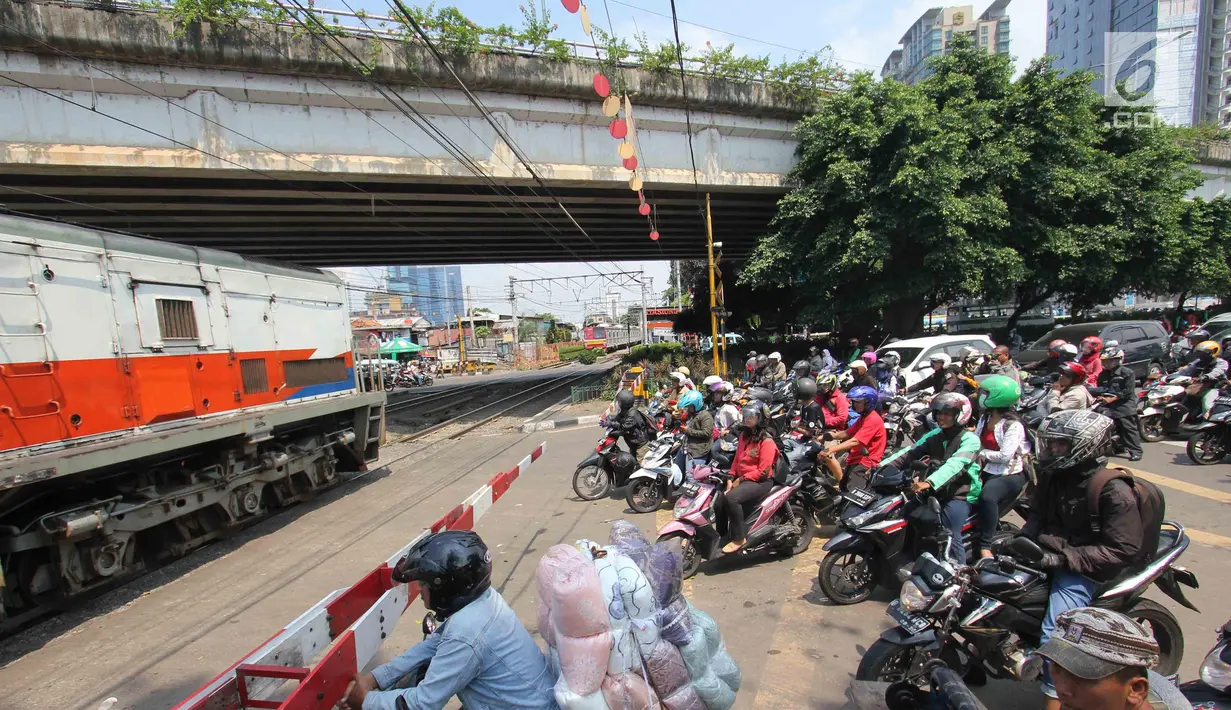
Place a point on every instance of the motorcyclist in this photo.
(864, 442)
(1117, 391)
(1090, 359)
(759, 371)
(821, 360)
(956, 482)
(1051, 364)
(969, 362)
(801, 368)
(750, 366)
(752, 468)
(1001, 363)
(835, 408)
(480, 653)
(855, 352)
(887, 373)
(774, 370)
(1078, 555)
(941, 379)
(698, 431)
(1068, 391)
(859, 369)
(1207, 370)
(811, 418)
(726, 414)
(1005, 447)
(683, 370)
(630, 423)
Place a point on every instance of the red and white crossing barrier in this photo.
(349, 624)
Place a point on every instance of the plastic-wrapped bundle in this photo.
(583, 661)
(720, 663)
(547, 629)
(545, 573)
(675, 622)
(685, 698)
(568, 698)
(626, 536)
(628, 691)
(712, 691)
(666, 668)
(577, 607)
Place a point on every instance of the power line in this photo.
(692, 155)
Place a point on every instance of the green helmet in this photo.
(999, 392)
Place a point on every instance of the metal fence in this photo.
(585, 393)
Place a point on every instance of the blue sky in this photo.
(860, 33)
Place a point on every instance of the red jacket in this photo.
(1093, 367)
(836, 408)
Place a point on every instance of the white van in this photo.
(915, 352)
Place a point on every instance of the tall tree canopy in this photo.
(971, 184)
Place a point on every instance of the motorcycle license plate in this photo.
(860, 497)
(912, 623)
(689, 490)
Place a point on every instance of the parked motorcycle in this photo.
(1211, 442)
(1213, 690)
(607, 467)
(987, 618)
(659, 476)
(782, 522)
(877, 543)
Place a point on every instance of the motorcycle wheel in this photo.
(888, 662)
(1152, 428)
(692, 559)
(1205, 448)
(848, 576)
(591, 483)
(805, 537)
(1166, 630)
(644, 496)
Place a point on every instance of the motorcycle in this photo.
(821, 490)
(1166, 408)
(906, 419)
(877, 541)
(659, 475)
(607, 467)
(1211, 443)
(782, 522)
(1213, 690)
(986, 619)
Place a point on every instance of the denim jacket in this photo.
(482, 654)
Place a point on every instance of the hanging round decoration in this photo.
(654, 236)
(585, 21)
(630, 163)
(571, 5)
(626, 150)
(634, 182)
(611, 105)
(644, 209)
(602, 87)
(618, 128)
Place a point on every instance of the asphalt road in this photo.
(154, 642)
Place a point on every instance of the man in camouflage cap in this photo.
(1101, 660)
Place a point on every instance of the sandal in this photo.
(734, 547)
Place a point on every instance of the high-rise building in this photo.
(436, 291)
(1189, 80)
(934, 31)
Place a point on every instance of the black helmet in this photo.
(756, 409)
(624, 399)
(454, 566)
(805, 388)
(762, 360)
(801, 368)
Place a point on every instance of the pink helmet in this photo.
(869, 357)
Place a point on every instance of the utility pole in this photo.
(679, 295)
(513, 305)
(461, 342)
(468, 304)
(645, 324)
(713, 267)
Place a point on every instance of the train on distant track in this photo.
(153, 396)
(611, 337)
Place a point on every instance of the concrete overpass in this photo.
(263, 141)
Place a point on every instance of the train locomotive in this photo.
(154, 396)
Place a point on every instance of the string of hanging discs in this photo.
(622, 129)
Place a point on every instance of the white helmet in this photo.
(891, 359)
(710, 381)
(859, 365)
(1070, 349)
(775, 356)
(685, 370)
(942, 358)
(969, 353)
(679, 377)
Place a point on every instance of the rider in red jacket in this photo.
(1090, 358)
(834, 406)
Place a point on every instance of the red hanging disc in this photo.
(630, 163)
(619, 128)
(644, 209)
(654, 236)
(602, 87)
(571, 5)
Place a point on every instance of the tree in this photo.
(528, 331)
(559, 335)
(1203, 262)
(691, 272)
(631, 318)
(482, 331)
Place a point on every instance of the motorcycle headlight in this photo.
(1159, 398)
(1215, 671)
(912, 598)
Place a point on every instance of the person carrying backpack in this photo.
(1091, 521)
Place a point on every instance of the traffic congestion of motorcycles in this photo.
(984, 491)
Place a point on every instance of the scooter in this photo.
(607, 467)
(1213, 690)
(782, 522)
(1166, 408)
(659, 475)
(1211, 442)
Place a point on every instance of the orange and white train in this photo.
(153, 396)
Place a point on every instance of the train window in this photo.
(254, 375)
(305, 373)
(177, 320)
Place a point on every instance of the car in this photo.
(915, 353)
(1222, 321)
(1144, 342)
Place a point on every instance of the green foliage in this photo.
(589, 356)
(970, 184)
(559, 335)
(663, 58)
(188, 13)
(653, 353)
(483, 331)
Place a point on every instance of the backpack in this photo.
(1150, 503)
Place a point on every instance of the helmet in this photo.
(1111, 344)
(776, 356)
(1208, 346)
(1056, 346)
(827, 382)
(865, 393)
(1095, 343)
(1070, 350)
(998, 392)
(710, 381)
(942, 358)
(969, 353)
(685, 370)
(1070, 436)
(756, 410)
(805, 388)
(752, 354)
(868, 357)
(956, 404)
(454, 566)
(1111, 352)
(1075, 371)
(679, 377)
(891, 359)
(859, 365)
(624, 399)
(801, 368)
(692, 398)
(762, 360)
(1197, 334)
(814, 350)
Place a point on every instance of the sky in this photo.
(859, 33)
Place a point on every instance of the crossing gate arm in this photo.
(349, 625)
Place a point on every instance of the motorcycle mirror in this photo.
(934, 505)
(1026, 549)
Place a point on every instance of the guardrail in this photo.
(345, 629)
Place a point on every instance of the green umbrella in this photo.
(398, 346)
